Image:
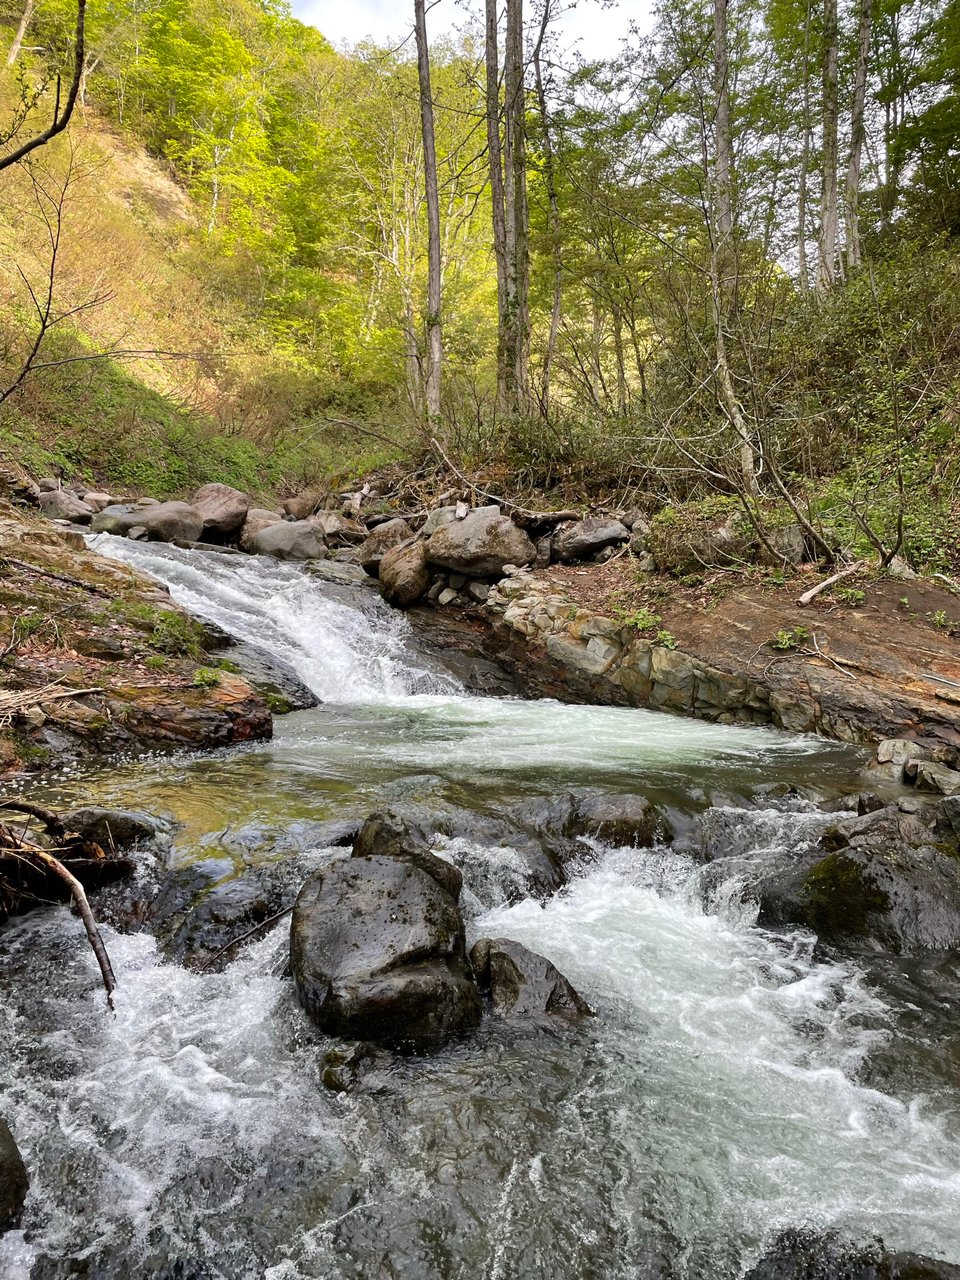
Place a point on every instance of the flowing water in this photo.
(734, 1081)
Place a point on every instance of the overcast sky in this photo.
(594, 30)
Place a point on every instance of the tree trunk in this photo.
(722, 264)
(553, 218)
(829, 213)
(804, 159)
(21, 32)
(852, 194)
(517, 312)
(495, 156)
(434, 334)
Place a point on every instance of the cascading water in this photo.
(732, 1083)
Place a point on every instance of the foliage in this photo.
(792, 639)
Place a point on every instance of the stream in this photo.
(734, 1082)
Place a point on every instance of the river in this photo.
(734, 1082)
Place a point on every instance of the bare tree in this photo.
(61, 115)
(21, 32)
(434, 331)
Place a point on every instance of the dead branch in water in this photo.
(86, 915)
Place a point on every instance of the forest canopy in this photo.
(732, 275)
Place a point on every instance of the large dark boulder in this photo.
(222, 508)
(804, 1255)
(404, 576)
(14, 1183)
(381, 540)
(880, 880)
(587, 537)
(378, 953)
(523, 984)
(389, 834)
(289, 540)
(480, 544)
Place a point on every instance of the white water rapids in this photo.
(732, 1083)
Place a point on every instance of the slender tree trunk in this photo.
(495, 156)
(829, 213)
(517, 337)
(21, 32)
(803, 268)
(722, 259)
(852, 193)
(434, 333)
(553, 216)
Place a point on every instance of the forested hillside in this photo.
(720, 267)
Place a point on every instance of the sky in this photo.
(595, 30)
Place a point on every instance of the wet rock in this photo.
(561, 821)
(478, 591)
(296, 540)
(404, 575)
(804, 1255)
(272, 678)
(256, 520)
(389, 834)
(481, 544)
(378, 953)
(588, 537)
(222, 508)
(899, 751)
(384, 537)
(523, 984)
(61, 504)
(110, 828)
(345, 1067)
(14, 1182)
(879, 881)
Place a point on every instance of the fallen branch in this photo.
(257, 928)
(524, 513)
(59, 577)
(32, 851)
(828, 582)
(51, 821)
(816, 651)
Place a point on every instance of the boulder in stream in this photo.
(480, 544)
(805, 1255)
(14, 1183)
(256, 520)
(523, 984)
(561, 822)
(378, 953)
(881, 880)
(222, 508)
(381, 540)
(289, 540)
(404, 576)
(389, 834)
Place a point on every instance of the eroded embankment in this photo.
(856, 675)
